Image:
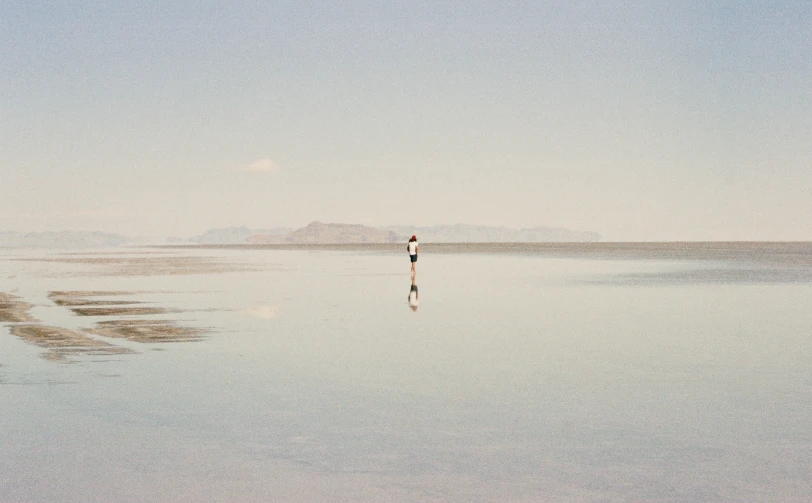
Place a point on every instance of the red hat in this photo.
(414, 237)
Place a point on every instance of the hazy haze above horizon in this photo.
(638, 120)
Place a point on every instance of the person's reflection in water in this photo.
(413, 297)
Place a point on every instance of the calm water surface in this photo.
(556, 376)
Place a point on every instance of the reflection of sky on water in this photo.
(520, 376)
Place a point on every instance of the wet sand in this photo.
(119, 311)
(81, 295)
(13, 309)
(80, 298)
(62, 343)
(81, 305)
(146, 331)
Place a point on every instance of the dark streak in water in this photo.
(67, 302)
(119, 311)
(87, 293)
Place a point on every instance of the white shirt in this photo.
(412, 247)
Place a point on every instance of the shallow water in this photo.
(529, 373)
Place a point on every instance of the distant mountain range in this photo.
(61, 239)
(463, 233)
(313, 233)
(320, 233)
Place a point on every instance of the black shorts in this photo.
(413, 257)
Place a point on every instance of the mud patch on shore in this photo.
(68, 301)
(119, 311)
(81, 305)
(81, 295)
(13, 309)
(77, 298)
(147, 331)
(62, 343)
(85, 302)
(136, 330)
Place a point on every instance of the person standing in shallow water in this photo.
(412, 247)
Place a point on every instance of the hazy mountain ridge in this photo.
(61, 239)
(321, 233)
(314, 233)
(466, 233)
(235, 235)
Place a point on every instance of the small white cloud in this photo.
(263, 312)
(265, 165)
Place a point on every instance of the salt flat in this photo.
(530, 372)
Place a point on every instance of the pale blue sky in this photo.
(639, 120)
